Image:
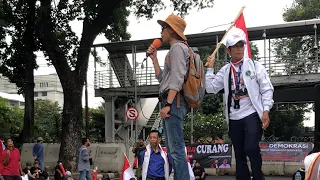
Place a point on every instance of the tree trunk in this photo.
(71, 122)
(28, 123)
(29, 47)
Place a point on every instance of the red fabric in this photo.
(62, 169)
(13, 167)
(1, 161)
(241, 24)
(94, 175)
(135, 162)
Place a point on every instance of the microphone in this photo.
(156, 44)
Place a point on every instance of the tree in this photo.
(18, 59)
(287, 122)
(97, 124)
(69, 54)
(205, 126)
(11, 118)
(299, 55)
(47, 120)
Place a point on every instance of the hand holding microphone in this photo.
(152, 50)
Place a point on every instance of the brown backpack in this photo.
(194, 86)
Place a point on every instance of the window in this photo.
(21, 103)
(44, 93)
(44, 84)
(35, 94)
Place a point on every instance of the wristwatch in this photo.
(168, 104)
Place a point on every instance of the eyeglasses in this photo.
(164, 27)
(238, 46)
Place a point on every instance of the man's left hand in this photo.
(265, 120)
(164, 112)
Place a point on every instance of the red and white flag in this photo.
(127, 172)
(239, 28)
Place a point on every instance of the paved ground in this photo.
(233, 178)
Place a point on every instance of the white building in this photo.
(46, 87)
(13, 99)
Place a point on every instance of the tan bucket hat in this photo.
(176, 23)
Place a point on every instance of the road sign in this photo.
(132, 113)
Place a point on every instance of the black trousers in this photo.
(13, 177)
(245, 135)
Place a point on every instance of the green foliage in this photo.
(206, 126)
(97, 124)
(11, 119)
(287, 122)
(47, 115)
(50, 22)
(302, 10)
(299, 53)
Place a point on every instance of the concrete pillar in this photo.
(109, 119)
(317, 117)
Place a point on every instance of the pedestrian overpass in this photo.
(122, 83)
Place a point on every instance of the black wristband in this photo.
(168, 104)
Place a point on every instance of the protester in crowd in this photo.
(11, 161)
(137, 149)
(83, 160)
(27, 170)
(2, 147)
(199, 172)
(58, 171)
(245, 109)
(311, 161)
(155, 162)
(171, 80)
(38, 152)
(37, 172)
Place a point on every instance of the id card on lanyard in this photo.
(236, 82)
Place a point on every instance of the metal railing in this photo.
(275, 66)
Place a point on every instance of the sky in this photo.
(256, 13)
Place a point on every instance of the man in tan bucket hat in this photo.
(171, 80)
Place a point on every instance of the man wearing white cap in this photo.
(248, 95)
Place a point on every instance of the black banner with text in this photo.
(210, 155)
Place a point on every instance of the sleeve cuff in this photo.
(210, 70)
(266, 108)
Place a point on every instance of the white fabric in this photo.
(146, 160)
(127, 172)
(191, 174)
(308, 160)
(246, 107)
(224, 166)
(235, 35)
(258, 84)
(25, 177)
(2, 145)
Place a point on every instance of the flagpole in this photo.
(127, 158)
(129, 163)
(232, 24)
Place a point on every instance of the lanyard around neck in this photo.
(236, 75)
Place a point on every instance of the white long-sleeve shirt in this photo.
(256, 79)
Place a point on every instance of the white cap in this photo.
(68, 173)
(234, 36)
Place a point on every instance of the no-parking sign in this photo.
(132, 113)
